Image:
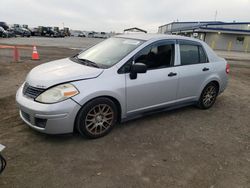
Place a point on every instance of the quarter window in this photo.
(202, 55)
(192, 54)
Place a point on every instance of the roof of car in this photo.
(146, 37)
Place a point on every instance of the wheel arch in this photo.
(215, 80)
(113, 99)
(200, 102)
(117, 104)
(216, 83)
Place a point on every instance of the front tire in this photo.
(97, 118)
(208, 96)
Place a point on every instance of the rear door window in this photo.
(189, 54)
(192, 54)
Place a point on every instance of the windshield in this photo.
(110, 51)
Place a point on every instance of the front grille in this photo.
(26, 116)
(32, 92)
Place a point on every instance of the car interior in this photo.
(157, 56)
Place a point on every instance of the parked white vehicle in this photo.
(77, 33)
(119, 79)
(102, 35)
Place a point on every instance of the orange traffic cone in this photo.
(35, 55)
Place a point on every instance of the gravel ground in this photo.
(187, 147)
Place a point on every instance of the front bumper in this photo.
(55, 118)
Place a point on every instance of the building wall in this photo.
(175, 26)
(165, 29)
(229, 42)
(217, 41)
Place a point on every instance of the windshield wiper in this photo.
(91, 63)
(87, 62)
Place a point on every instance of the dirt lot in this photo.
(187, 147)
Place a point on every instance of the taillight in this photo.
(227, 68)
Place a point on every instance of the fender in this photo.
(100, 87)
(212, 77)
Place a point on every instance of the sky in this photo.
(117, 15)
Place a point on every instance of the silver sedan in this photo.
(121, 78)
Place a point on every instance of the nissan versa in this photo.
(119, 79)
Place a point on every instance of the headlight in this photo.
(57, 93)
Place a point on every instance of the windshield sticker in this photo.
(132, 42)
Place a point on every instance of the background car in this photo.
(3, 32)
(101, 35)
(11, 32)
(75, 33)
(58, 33)
(26, 27)
(91, 34)
(20, 31)
(35, 32)
(4, 25)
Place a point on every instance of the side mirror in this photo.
(137, 68)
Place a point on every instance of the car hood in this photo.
(60, 71)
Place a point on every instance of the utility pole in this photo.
(215, 16)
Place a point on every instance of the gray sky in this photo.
(116, 15)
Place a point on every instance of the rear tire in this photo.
(208, 96)
(97, 118)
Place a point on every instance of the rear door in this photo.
(193, 70)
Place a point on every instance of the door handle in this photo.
(205, 69)
(172, 74)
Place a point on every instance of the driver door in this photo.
(158, 86)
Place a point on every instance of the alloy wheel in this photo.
(209, 96)
(99, 119)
